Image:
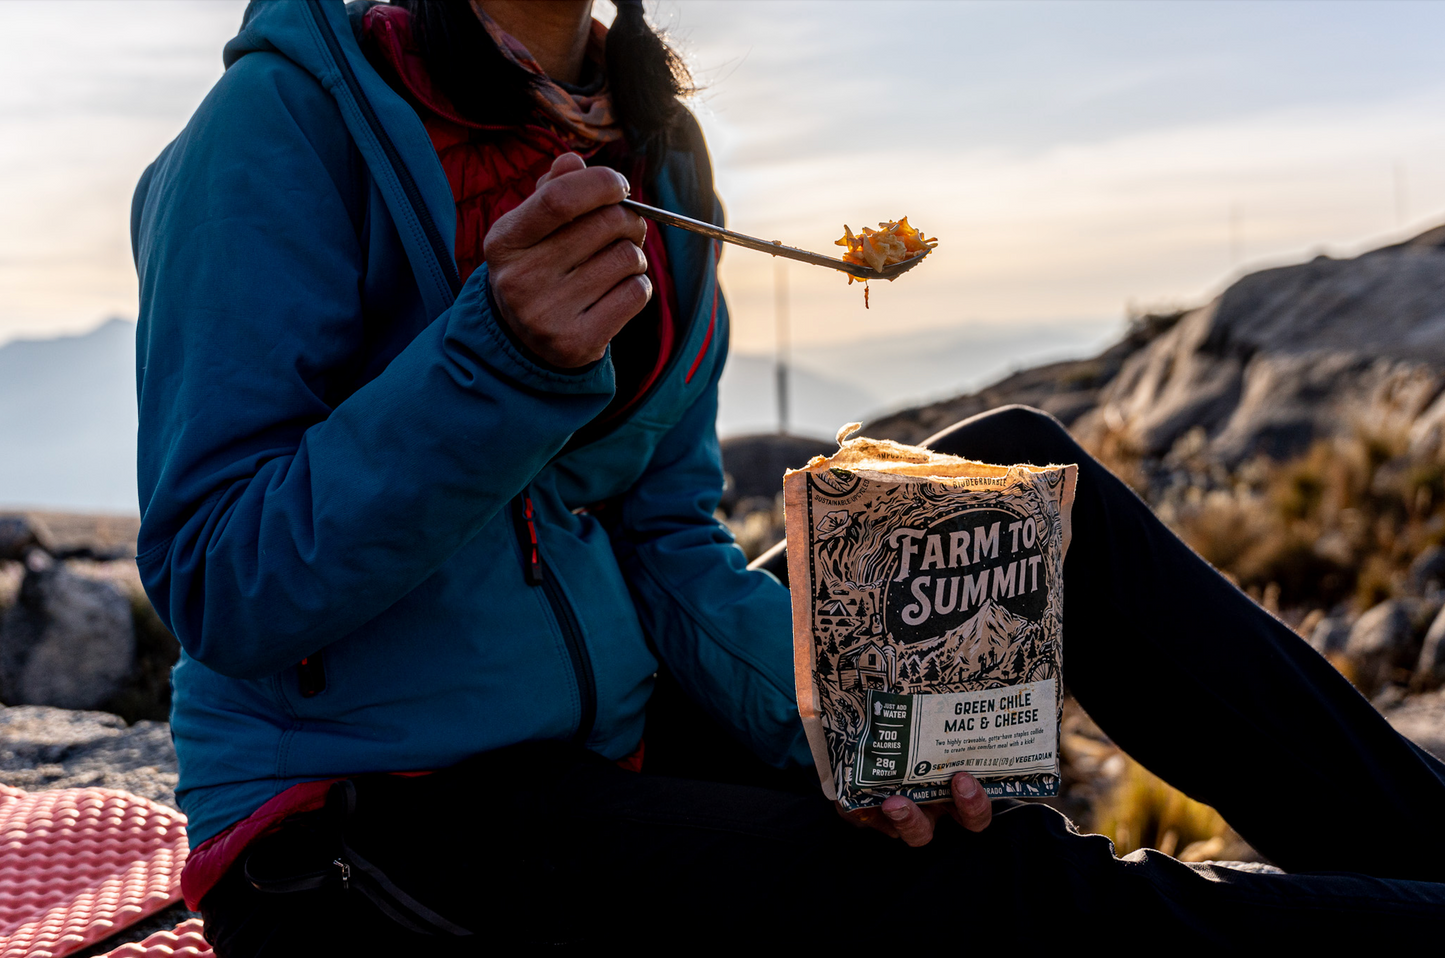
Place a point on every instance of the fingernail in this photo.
(897, 814)
(969, 789)
(626, 186)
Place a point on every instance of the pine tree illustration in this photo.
(1017, 663)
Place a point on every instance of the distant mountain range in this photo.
(68, 419)
(856, 381)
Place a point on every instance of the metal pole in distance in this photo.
(1400, 208)
(780, 315)
(1234, 237)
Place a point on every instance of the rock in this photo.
(1284, 357)
(1066, 390)
(1170, 387)
(67, 641)
(1387, 639)
(1289, 355)
(1427, 569)
(145, 693)
(755, 464)
(17, 537)
(1430, 669)
(43, 747)
(1421, 718)
(11, 575)
(1334, 546)
(1330, 636)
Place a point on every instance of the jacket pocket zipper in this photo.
(525, 524)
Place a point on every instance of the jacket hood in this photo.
(319, 36)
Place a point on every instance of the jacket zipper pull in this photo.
(311, 675)
(345, 873)
(526, 524)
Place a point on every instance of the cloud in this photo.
(1073, 159)
(89, 94)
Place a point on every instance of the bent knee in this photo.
(1026, 420)
(1015, 432)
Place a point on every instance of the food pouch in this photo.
(928, 602)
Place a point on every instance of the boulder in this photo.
(17, 537)
(1421, 718)
(1427, 571)
(1386, 640)
(755, 464)
(1178, 382)
(67, 641)
(146, 691)
(1066, 390)
(84, 535)
(1330, 636)
(1430, 669)
(1289, 355)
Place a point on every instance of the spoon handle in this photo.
(751, 242)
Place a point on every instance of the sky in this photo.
(1077, 160)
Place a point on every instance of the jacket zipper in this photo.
(393, 155)
(525, 524)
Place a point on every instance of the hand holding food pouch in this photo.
(927, 620)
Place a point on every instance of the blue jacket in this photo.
(334, 435)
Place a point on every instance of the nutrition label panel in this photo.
(913, 739)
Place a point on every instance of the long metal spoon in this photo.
(774, 247)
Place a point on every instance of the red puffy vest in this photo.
(492, 169)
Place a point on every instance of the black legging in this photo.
(1179, 667)
(1212, 693)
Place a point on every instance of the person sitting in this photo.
(428, 469)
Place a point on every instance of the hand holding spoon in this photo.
(774, 247)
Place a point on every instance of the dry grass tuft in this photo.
(1142, 811)
(1107, 792)
(1338, 524)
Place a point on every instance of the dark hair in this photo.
(645, 75)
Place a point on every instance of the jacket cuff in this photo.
(514, 359)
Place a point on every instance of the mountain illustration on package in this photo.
(928, 602)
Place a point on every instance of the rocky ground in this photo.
(43, 747)
(1421, 718)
